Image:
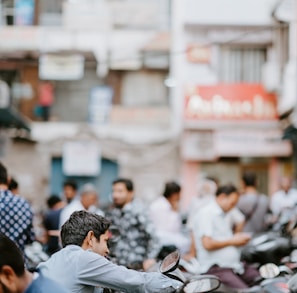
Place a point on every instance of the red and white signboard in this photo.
(241, 101)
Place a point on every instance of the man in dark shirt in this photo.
(253, 204)
(138, 246)
(51, 223)
(16, 216)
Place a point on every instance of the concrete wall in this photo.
(30, 168)
(229, 12)
(149, 164)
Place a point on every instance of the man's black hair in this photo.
(10, 255)
(13, 184)
(128, 183)
(52, 200)
(80, 223)
(171, 188)
(70, 183)
(3, 174)
(249, 179)
(226, 189)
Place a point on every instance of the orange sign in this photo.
(230, 102)
(198, 54)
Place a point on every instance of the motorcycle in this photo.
(276, 246)
(193, 284)
(275, 279)
(198, 284)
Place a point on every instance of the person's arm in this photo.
(238, 227)
(153, 244)
(275, 206)
(95, 270)
(64, 216)
(238, 239)
(192, 251)
(237, 219)
(29, 232)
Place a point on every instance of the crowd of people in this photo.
(221, 219)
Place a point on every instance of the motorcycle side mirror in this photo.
(202, 284)
(170, 262)
(269, 271)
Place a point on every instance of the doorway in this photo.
(103, 182)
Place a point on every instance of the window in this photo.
(144, 88)
(7, 12)
(50, 12)
(241, 64)
(17, 12)
(53, 6)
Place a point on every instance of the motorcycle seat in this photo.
(253, 289)
(225, 289)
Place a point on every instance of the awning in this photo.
(10, 118)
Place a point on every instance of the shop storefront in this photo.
(228, 129)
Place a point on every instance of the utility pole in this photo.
(291, 130)
(176, 71)
(293, 53)
(36, 12)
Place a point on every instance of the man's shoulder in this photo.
(52, 214)
(23, 201)
(136, 206)
(43, 284)
(75, 205)
(293, 191)
(159, 203)
(264, 198)
(251, 197)
(210, 205)
(206, 212)
(209, 209)
(15, 200)
(278, 194)
(71, 253)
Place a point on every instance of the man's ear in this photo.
(8, 278)
(89, 238)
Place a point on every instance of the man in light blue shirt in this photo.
(81, 265)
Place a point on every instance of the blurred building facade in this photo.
(90, 77)
(152, 90)
(231, 85)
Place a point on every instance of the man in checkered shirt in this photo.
(16, 216)
(138, 246)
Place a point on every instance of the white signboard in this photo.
(61, 67)
(81, 158)
(100, 104)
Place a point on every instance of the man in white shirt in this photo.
(253, 204)
(88, 201)
(206, 194)
(164, 213)
(285, 198)
(217, 247)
